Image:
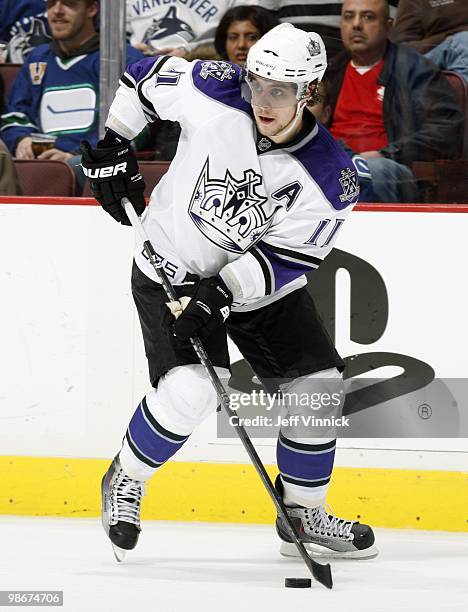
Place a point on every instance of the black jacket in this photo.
(421, 114)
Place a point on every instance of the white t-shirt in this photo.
(176, 23)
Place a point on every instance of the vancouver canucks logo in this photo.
(25, 38)
(350, 185)
(230, 212)
(217, 70)
(168, 26)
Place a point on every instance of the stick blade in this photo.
(322, 573)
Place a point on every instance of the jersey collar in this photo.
(308, 131)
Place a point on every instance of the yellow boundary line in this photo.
(220, 492)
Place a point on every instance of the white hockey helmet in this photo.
(288, 54)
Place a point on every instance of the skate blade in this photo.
(318, 552)
(119, 553)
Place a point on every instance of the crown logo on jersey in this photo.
(217, 70)
(350, 185)
(230, 212)
(314, 48)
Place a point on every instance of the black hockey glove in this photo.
(112, 173)
(209, 307)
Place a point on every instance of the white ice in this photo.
(222, 568)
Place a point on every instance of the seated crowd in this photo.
(384, 97)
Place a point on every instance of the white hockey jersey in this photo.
(232, 202)
(176, 23)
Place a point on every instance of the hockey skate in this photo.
(121, 501)
(325, 535)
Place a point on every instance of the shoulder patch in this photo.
(37, 72)
(350, 185)
(222, 82)
(331, 168)
(217, 70)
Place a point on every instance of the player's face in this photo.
(241, 35)
(364, 26)
(69, 18)
(274, 104)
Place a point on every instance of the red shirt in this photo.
(358, 117)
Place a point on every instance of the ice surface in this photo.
(225, 568)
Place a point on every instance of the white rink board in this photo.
(72, 360)
(421, 257)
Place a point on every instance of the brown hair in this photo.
(261, 18)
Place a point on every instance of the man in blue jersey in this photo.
(57, 90)
(253, 200)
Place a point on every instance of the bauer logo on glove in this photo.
(205, 311)
(112, 173)
(105, 172)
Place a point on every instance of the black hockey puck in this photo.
(298, 583)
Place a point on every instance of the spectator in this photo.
(175, 29)
(56, 91)
(23, 25)
(321, 108)
(438, 29)
(321, 16)
(319, 104)
(9, 183)
(239, 28)
(390, 104)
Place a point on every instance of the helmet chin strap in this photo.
(283, 134)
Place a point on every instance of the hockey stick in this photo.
(322, 573)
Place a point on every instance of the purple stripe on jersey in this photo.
(284, 271)
(220, 81)
(302, 465)
(140, 69)
(148, 441)
(330, 167)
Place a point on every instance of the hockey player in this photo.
(253, 200)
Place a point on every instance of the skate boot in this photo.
(121, 500)
(325, 535)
